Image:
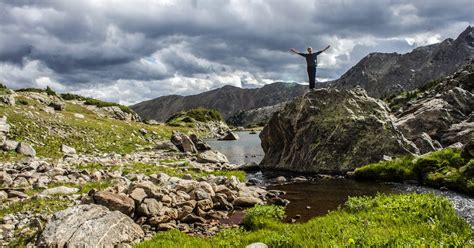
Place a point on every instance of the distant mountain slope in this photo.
(228, 100)
(384, 74)
(380, 74)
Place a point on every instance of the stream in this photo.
(317, 195)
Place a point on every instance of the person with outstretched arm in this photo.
(311, 62)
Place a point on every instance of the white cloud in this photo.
(130, 51)
(423, 39)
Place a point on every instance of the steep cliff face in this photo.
(331, 131)
(385, 74)
(228, 100)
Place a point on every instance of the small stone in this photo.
(25, 149)
(57, 105)
(191, 218)
(257, 245)
(299, 179)
(114, 201)
(308, 207)
(17, 194)
(280, 180)
(63, 190)
(230, 136)
(79, 116)
(138, 194)
(9, 145)
(212, 157)
(143, 131)
(68, 150)
(246, 201)
(3, 195)
(187, 177)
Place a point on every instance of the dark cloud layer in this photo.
(130, 51)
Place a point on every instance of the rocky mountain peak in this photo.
(467, 36)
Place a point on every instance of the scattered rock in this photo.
(79, 116)
(63, 190)
(257, 245)
(165, 145)
(67, 150)
(16, 194)
(114, 201)
(280, 179)
(4, 127)
(7, 100)
(9, 145)
(57, 105)
(3, 195)
(212, 157)
(191, 218)
(89, 226)
(246, 201)
(183, 142)
(230, 136)
(25, 149)
(200, 144)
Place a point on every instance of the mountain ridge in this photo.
(380, 74)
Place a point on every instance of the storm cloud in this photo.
(129, 51)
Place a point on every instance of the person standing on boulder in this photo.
(312, 63)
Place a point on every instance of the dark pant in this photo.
(312, 76)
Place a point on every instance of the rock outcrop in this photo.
(331, 131)
(385, 74)
(440, 115)
(89, 226)
(228, 100)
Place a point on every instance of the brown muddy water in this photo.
(316, 198)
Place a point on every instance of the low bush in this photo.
(198, 114)
(100, 104)
(447, 167)
(69, 96)
(261, 216)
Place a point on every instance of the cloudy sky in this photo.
(128, 51)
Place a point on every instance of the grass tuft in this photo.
(447, 167)
(406, 220)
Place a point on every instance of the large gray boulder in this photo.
(89, 226)
(331, 131)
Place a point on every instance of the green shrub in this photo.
(198, 114)
(22, 102)
(100, 104)
(447, 167)
(398, 169)
(69, 96)
(50, 91)
(260, 216)
(31, 90)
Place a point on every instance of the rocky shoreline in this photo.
(147, 203)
